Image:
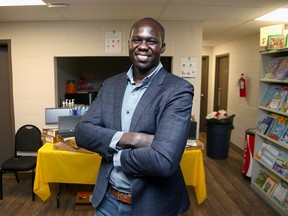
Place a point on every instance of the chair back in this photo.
(28, 138)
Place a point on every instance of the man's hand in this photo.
(135, 140)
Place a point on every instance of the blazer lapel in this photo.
(148, 96)
(118, 98)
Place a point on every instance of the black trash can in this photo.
(218, 137)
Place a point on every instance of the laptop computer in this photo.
(52, 115)
(67, 125)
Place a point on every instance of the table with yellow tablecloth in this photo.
(57, 166)
(193, 170)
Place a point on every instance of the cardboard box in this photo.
(83, 198)
(50, 131)
(64, 146)
(83, 201)
(50, 135)
(51, 139)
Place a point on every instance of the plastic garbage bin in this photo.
(248, 152)
(218, 137)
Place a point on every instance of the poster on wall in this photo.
(188, 67)
(113, 42)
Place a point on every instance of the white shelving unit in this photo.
(266, 57)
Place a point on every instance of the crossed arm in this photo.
(135, 140)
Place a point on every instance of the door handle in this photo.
(219, 97)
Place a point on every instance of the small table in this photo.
(192, 167)
(57, 166)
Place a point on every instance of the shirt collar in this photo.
(147, 79)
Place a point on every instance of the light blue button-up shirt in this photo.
(132, 96)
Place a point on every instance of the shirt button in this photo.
(127, 112)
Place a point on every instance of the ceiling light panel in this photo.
(279, 15)
(21, 2)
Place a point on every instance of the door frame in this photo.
(204, 93)
(217, 80)
(7, 124)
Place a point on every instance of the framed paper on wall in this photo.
(269, 30)
(276, 42)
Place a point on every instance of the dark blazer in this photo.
(157, 184)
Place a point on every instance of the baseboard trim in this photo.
(236, 148)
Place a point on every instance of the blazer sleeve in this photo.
(173, 120)
(92, 132)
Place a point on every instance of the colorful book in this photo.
(269, 94)
(280, 192)
(285, 203)
(281, 71)
(261, 178)
(284, 138)
(281, 164)
(269, 184)
(269, 155)
(271, 68)
(261, 150)
(278, 98)
(266, 124)
(284, 107)
(278, 129)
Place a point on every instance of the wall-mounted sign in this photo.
(188, 67)
(113, 42)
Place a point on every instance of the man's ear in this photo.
(163, 48)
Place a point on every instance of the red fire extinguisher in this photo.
(242, 86)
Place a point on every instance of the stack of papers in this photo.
(194, 144)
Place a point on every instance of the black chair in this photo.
(27, 140)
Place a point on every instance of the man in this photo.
(139, 124)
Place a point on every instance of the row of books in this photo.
(276, 98)
(274, 158)
(276, 189)
(274, 126)
(277, 69)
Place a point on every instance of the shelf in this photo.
(274, 81)
(266, 52)
(264, 85)
(271, 170)
(273, 111)
(269, 200)
(272, 140)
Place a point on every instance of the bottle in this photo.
(75, 110)
(71, 87)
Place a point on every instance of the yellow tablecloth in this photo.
(82, 168)
(194, 175)
(63, 167)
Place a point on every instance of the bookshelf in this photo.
(260, 166)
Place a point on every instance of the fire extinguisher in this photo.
(242, 86)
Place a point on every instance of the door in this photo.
(7, 126)
(204, 93)
(221, 82)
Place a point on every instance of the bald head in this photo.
(146, 44)
(148, 21)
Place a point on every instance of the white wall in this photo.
(35, 44)
(244, 58)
